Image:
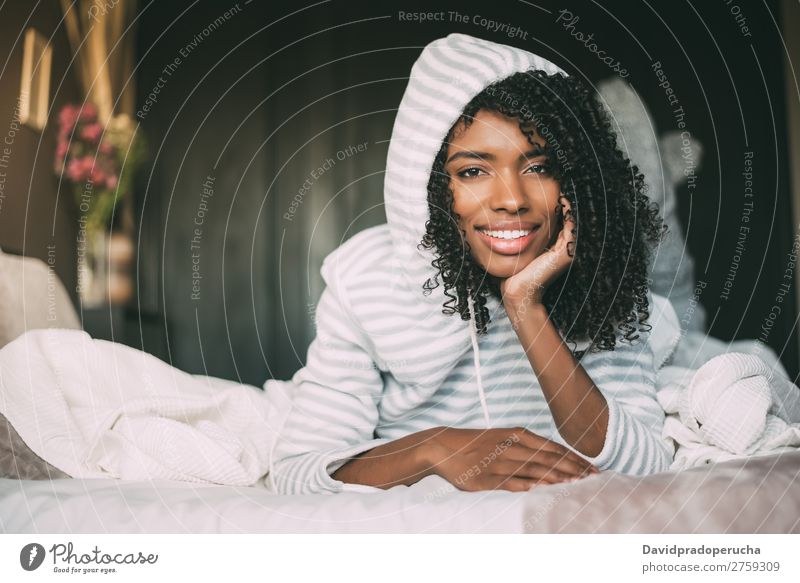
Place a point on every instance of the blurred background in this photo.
(184, 167)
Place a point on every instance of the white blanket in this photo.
(97, 409)
(735, 405)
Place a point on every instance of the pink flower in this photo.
(61, 150)
(79, 154)
(75, 172)
(84, 168)
(89, 112)
(98, 177)
(67, 118)
(92, 132)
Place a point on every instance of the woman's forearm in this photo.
(404, 461)
(577, 405)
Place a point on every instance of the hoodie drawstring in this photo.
(477, 356)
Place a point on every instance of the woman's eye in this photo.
(539, 168)
(470, 173)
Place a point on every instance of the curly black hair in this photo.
(607, 283)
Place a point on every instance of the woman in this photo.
(494, 331)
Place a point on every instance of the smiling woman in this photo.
(502, 246)
(495, 171)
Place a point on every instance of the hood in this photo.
(447, 75)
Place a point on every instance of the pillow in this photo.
(42, 303)
(18, 461)
(661, 162)
(666, 330)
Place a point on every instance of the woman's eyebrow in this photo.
(533, 153)
(472, 155)
(536, 151)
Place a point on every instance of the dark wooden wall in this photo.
(32, 215)
(277, 89)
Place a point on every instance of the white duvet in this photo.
(97, 409)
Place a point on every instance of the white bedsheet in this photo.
(754, 495)
(123, 506)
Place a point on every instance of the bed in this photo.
(105, 390)
(753, 495)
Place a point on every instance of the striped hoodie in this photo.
(386, 362)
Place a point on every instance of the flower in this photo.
(66, 119)
(92, 132)
(90, 155)
(97, 176)
(88, 112)
(74, 170)
(61, 150)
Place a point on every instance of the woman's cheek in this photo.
(554, 227)
(459, 203)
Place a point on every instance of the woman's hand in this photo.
(505, 459)
(529, 285)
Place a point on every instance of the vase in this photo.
(105, 263)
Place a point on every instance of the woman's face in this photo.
(504, 193)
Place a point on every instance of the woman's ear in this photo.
(558, 221)
(566, 207)
(568, 222)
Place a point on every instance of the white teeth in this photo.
(506, 234)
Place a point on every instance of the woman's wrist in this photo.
(429, 451)
(524, 309)
(402, 461)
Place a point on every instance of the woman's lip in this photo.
(508, 246)
(508, 226)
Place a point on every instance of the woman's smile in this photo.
(508, 240)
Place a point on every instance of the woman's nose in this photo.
(509, 195)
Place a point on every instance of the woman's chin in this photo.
(505, 271)
(503, 267)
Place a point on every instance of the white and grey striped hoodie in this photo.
(386, 362)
